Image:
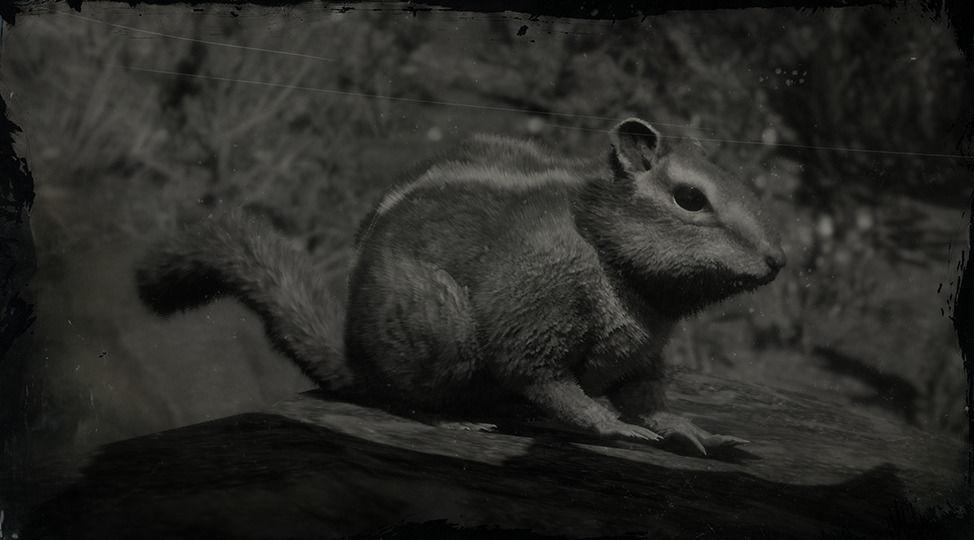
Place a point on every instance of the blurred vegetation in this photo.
(780, 96)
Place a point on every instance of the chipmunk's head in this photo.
(688, 232)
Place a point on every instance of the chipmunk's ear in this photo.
(635, 146)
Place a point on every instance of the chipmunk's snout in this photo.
(758, 238)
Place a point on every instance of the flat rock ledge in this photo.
(314, 468)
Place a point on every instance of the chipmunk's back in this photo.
(497, 197)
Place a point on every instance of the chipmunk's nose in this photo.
(775, 258)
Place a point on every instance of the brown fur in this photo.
(506, 272)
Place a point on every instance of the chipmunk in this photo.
(506, 272)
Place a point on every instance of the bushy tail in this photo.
(234, 255)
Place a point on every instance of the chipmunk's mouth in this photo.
(750, 281)
(772, 265)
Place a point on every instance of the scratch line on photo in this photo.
(379, 96)
(197, 40)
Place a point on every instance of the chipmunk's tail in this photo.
(234, 255)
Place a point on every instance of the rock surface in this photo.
(312, 468)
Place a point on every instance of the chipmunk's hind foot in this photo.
(412, 324)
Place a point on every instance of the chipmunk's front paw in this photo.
(680, 432)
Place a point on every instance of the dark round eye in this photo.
(690, 198)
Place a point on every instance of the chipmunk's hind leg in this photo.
(412, 324)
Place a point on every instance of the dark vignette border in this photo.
(17, 260)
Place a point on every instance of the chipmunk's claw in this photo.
(622, 430)
(725, 440)
(482, 427)
(682, 433)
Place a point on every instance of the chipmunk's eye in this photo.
(690, 198)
